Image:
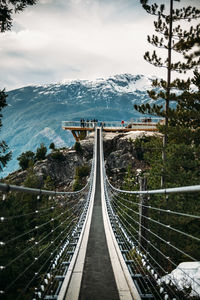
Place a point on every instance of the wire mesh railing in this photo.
(39, 231)
(158, 234)
(35, 238)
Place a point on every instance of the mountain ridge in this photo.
(34, 113)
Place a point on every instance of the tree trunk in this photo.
(168, 90)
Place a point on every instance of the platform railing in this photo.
(145, 121)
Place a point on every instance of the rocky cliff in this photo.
(60, 166)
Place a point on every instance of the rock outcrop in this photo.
(60, 166)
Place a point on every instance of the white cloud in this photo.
(46, 1)
(75, 39)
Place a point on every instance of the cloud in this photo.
(74, 39)
(46, 1)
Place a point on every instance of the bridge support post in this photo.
(143, 214)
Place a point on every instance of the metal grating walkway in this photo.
(98, 280)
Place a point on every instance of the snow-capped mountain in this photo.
(34, 113)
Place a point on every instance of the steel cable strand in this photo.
(58, 259)
(168, 243)
(81, 218)
(141, 269)
(7, 187)
(69, 194)
(36, 227)
(2, 218)
(78, 218)
(137, 266)
(147, 261)
(156, 262)
(176, 266)
(115, 217)
(164, 225)
(110, 208)
(114, 213)
(166, 257)
(28, 249)
(13, 239)
(28, 267)
(51, 206)
(148, 253)
(40, 269)
(56, 264)
(60, 245)
(11, 235)
(142, 255)
(40, 241)
(139, 242)
(159, 209)
(36, 244)
(145, 272)
(183, 189)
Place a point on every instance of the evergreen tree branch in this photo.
(8, 8)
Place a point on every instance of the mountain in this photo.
(34, 113)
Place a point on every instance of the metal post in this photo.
(143, 213)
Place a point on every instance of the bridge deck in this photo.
(98, 280)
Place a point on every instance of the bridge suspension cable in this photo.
(38, 238)
(155, 236)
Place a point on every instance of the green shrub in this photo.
(26, 159)
(32, 180)
(57, 155)
(41, 152)
(49, 183)
(52, 146)
(82, 171)
(77, 185)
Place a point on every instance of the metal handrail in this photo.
(91, 124)
(4, 187)
(183, 189)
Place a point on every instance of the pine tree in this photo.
(26, 159)
(8, 8)
(185, 119)
(172, 38)
(41, 152)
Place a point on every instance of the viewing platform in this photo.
(80, 129)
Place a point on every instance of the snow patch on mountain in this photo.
(124, 83)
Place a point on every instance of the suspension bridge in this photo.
(97, 243)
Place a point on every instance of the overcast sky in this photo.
(57, 40)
